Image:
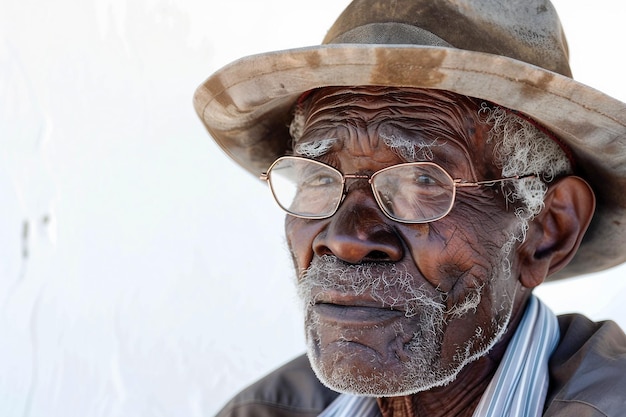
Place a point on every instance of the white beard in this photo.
(419, 346)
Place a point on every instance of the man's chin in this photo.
(403, 368)
(373, 360)
(350, 373)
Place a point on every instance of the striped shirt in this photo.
(520, 384)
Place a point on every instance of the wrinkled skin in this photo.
(363, 338)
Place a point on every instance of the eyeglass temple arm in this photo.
(461, 183)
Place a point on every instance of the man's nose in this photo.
(359, 232)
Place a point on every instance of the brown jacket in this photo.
(587, 379)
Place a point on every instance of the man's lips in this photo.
(355, 315)
(351, 308)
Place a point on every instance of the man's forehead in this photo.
(441, 113)
(417, 123)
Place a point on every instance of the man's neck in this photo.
(451, 400)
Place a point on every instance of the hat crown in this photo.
(526, 30)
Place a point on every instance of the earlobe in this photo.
(555, 234)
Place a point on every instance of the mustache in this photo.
(391, 285)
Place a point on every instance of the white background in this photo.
(141, 273)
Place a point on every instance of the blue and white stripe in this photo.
(520, 384)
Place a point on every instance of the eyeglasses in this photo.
(414, 192)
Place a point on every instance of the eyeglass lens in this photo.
(306, 188)
(418, 192)
(414, 192)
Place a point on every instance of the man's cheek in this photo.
(457, 258)
(300, 234)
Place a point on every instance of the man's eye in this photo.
(319, 181)
(425, 180)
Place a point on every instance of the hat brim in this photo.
(246, 107)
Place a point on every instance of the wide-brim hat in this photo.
(511, 53)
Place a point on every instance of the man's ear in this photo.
(555, 234)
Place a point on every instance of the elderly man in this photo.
(436, 162)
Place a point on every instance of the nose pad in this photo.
(359, 232)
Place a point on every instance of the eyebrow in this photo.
(315, 148)
(411, 149)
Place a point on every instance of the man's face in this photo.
(394, 308)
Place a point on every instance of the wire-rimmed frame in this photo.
(433, 200)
